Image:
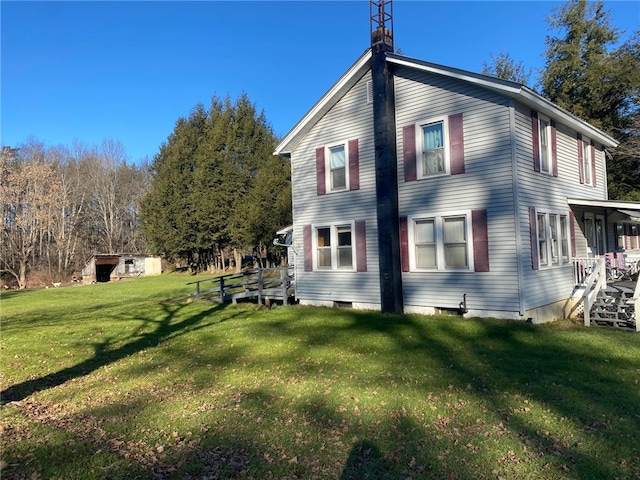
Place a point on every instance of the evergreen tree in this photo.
(583, 76)
(503, 66)
(205, 181)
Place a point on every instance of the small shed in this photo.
(107, 267)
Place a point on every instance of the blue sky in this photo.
(89, 71)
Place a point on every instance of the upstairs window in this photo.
(337, 167)
(434, 154)
(433, 148)
(544, 144)
(586, 161)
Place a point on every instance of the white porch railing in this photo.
(636, 305)
(591, 274)
(582, 268)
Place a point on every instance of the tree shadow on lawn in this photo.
(511, 369)
(103, 355)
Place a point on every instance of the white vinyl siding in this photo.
(487, 183)
(549, 194)
(351, 118)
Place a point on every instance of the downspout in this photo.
(516, 206)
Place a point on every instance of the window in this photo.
(553, 239)
(433, 148)
(543, 134)
(432, 145)
(440, 242)
(334, 247)
(545, 144)
(586, 161)
(425, 239)
(628, 236)
(337, 168)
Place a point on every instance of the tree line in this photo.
(215, 194)
(59, 205)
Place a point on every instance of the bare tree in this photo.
(29, 193)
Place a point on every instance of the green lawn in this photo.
(130, 380)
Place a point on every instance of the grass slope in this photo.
(128, 380)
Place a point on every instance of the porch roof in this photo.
(627, 208)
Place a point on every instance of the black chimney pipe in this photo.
(386, 161)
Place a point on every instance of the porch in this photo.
(607, 294)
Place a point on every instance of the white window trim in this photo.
(334, 246)
(541, 147)
(587, 161)
(419, 147)
(562, 262)
(438, 217)
(327, 166)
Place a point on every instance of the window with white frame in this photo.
(586, 161)
(334, 247)
(544, 133)
(432, 146)
(553, 239)
(337, 167)
(440, 242)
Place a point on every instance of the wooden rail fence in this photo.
(264, 284)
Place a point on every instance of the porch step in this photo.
(613, 308)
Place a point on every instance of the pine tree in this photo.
(203, 193)
(584, 76)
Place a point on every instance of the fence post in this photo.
(197, 290)
(285, 284)
(222, 289)
(259, 286)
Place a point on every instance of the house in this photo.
(106, 267)
(419, 187)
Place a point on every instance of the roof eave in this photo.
(514, 90)
(586, 202)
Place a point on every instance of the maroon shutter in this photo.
(593, 163)
(480, 240)
(533, 222)
(535, 138)
(354, 165)
(572, 232)
(404, 244)
(321, 179)
(409, 139)
(554, 149)
(580, 163)
(456, 144)
(308, 248)
(361, 246)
